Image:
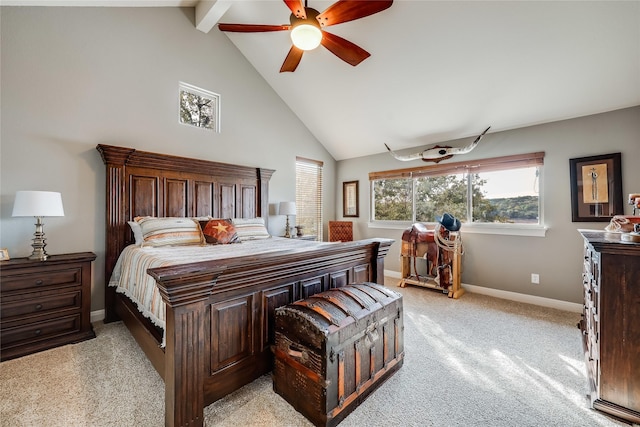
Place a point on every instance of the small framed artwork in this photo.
(596, 188)
(199, 107)
(4, 254)
(350, 199)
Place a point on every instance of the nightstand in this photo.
(44, 304)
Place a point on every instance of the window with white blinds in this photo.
(309, 196)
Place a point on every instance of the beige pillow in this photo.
(170, 231)
(250, 228)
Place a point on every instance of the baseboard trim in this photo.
(97, 316)
(511, 296)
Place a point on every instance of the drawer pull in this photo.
(39, 282)
(38, 307)
(37, 332)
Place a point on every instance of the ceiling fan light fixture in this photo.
(306, 36)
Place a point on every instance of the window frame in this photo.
(516, 161)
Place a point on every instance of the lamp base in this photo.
(39, 254)
(287, 234)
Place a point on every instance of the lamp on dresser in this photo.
(287, 208)
(38, 204)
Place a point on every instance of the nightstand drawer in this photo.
(45, 329)
(40, 304)
(42, 279)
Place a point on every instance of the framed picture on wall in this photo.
(350, 199)
(596, 188)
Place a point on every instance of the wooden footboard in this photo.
(220, 316)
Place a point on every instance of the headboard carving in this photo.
(140, 183)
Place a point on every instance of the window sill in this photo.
(495, 229)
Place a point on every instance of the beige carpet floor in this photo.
(476, 361)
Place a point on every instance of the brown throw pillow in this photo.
(219, 232)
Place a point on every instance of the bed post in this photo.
(380, 252)
(264, 175)
(188, 345)
(115, 159)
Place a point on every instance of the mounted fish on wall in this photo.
(438, 153)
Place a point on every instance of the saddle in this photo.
(418, 233)
(419, 241)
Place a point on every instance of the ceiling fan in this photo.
(307, 29)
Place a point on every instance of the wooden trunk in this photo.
(334, 348)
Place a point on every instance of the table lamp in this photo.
(38, 204)
(287, 208)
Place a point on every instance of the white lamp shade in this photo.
(287, 208)
(38, 203)
(306, 37)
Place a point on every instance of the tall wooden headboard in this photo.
(140, 183)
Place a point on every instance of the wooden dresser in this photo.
(611, 323)
(44, 304)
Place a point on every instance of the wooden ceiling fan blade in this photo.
(348, 10)
(297, 8)
(252, 28)
(292, 60)
(344, 49)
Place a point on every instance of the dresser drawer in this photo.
(42, 279)
(41, 330)
(42, 303)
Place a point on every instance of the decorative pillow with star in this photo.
(219, 232)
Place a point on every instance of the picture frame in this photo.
(350, 196)
(596, 188)
(198, 107)
(4, 254)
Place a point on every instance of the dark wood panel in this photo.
(176, 197)
(272, 299)
(339, 279)
(231, 331)
(311, 286)
(144, 196)
(204, 197)
(227, 201)
(361, 273)
(248, 199)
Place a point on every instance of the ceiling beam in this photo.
(209, 12)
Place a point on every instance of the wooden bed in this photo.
(219, 314)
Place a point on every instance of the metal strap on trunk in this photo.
(318, 309)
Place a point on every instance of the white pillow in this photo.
(137, 232)
(250, 228)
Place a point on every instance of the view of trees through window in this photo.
(506, 196)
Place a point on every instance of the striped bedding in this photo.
(130, 272)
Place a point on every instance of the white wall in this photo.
(73, 78)
(506, 262)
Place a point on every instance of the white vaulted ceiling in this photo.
(441, 70)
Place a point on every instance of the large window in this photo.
(502, 190)
(309, 196)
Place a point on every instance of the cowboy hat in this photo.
(449, 222)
